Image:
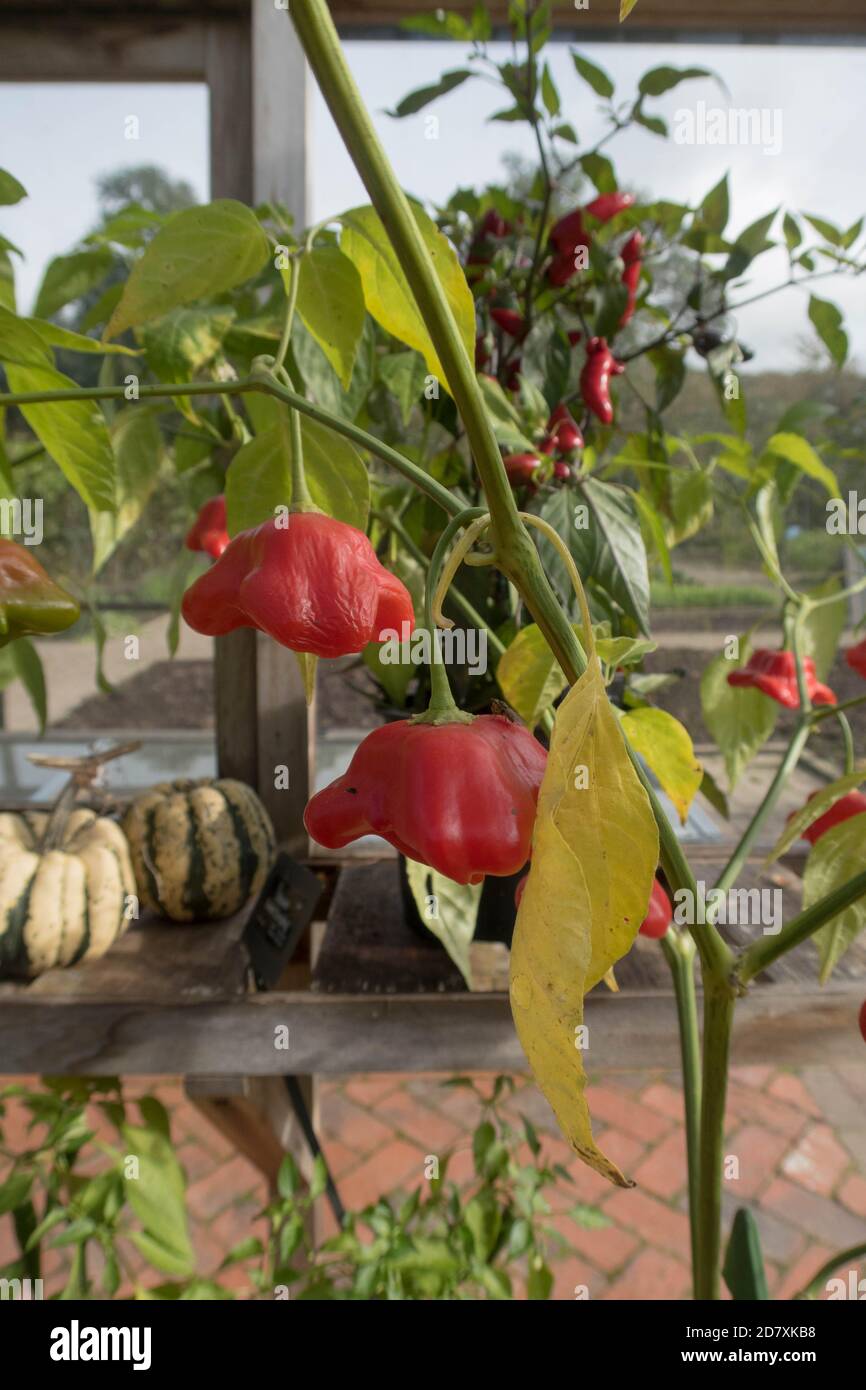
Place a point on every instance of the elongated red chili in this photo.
(856, 658)
(600, 365)
(631, 255)
(565, 430)
(852, 804)
(315, 585)
(607, 205)
(458, 797)
(521, 468)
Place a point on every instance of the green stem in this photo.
(679, 952)
(817, 1283)
(718, 1017)
(762, 953)
(290, 313)
(731, 871)
(847, 743)
(828, 711)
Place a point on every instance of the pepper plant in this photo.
(482, 362)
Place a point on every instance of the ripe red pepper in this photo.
(659, 915)
(595, 379)
(852, 804)
(511, 321)
(631, 255)
(561, 269)
(314, 585)
(31, 604)
(569, 233)
(493, 225)
(575, 336)
(561, 471)
(458, 797)
(856, 658)
(565, 430)
(775, 674)
(521, 468)
(608, 205)
(209, 532)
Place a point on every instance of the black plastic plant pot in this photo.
(496, 911)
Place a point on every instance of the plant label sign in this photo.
(282, 913)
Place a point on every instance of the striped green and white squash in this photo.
(66, 904)
(200, 850)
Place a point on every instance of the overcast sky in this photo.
(57, 140)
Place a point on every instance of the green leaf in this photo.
(743, 1270)
(822, 628)
(793, 235)
(739, 720)
(714, 794)
(659, 80)
(416, 101)
(595, 76)
(53, 335)
(715, 209)
(137, 444)
(540, 1282)
(331, 304)
(653, 528)
(20, 342)
(74, 433)
(157, 1196)
(21, 661)
(825, 229)
(797, 450)
(404, 374)
(289, 1180)
(751, 242)
(179, 345)
(837, 857)
(599, 168)
(611, 551)
(670, 369)
(529, 675)
(665, 744)
(549, 94)
(11, 191)
(448, 909)
(199, 253)
(651, 123)
(504, 419)
(386, 291)
(589, 1218)
(68, 278)
(15, 1191)
(483, 1219)
(259, 479)
(827, 321)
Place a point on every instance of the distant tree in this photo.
(145, 184)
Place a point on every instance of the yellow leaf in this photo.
(529, 675)
(625, 9)
(595, 852)
(666, 746)
(308, 663)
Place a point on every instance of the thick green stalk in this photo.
(718, 1017)
(679, 952)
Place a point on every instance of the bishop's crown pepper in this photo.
(775, 674)
(459, 797)
(209, 531)
(31, 604)
(314, 584)
(598, 368)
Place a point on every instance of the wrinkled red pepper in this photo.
(460, 798)
(631, 255)
(856, 658)
(775, 674)
(314, 585)
(659, 915)
(209, 532)
(31, 604)
(852, 804)
(595, 379)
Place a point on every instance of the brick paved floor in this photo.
(796, 1142)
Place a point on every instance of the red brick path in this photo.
(797, 1143)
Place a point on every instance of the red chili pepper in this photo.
(458, 797)
(595, 379)
(775, 674)
(574, 337)
(856, 658)
(493, 225)
(659, 915)
(561, 269)
(314, 585)
(512, 380)
(208, 532)
(852, 804)
(631, 255)
(511, 322)
(521, 468)
(569, 233)
(31, 604)
(608, 205)
(561, 471)
(565, 430)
